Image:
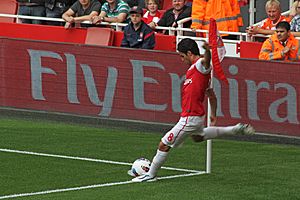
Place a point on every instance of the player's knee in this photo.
(197, 138)
(163, 147)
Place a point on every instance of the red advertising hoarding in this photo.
(142, 85)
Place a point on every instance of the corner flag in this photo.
(218, 50)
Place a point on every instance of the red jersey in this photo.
(193, 90)
(147, 18)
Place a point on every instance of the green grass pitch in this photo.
(240, 170)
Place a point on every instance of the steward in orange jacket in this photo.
(268, 25)
(225, 12)
(282, 45)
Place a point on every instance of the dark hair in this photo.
(284, 25)
(186, 45)
(158, 2)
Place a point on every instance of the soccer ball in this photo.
(139, 167)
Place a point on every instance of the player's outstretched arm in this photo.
(207, 56)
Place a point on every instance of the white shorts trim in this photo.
(191, 125)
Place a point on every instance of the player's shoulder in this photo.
(200, 67)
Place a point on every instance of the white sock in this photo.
(215, 131)
(158, 160)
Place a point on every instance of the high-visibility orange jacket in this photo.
(225, 12)
(272, 49)
(269, 25)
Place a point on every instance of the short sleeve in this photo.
(201, 68)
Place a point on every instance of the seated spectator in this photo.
(32, 8)
(152, 14)
(282, 45)
(268, 26)
(80, 11)
(137, 34)
(295, 23)
(172, 16)
(55, 9)
(112, 11)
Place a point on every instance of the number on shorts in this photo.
(171, 136)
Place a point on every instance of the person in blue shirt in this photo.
(137, 34)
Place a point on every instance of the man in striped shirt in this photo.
(113, 11)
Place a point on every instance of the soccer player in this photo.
(195, 87)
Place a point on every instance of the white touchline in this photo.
(64, 190)
(191, 173)
(88, 159)
(90, 186)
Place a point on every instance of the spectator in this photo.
(295, 23)
(32, 8)
(55, 9)
(268, 26)
(137, 34)
(226, 13)
(152, 14)
(81, 10)
(173, 15)
(293, 9)
(112, 11)
(282, 45)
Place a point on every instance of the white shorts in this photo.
(192, 125)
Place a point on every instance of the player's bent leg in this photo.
(163, 147)
(173, 138)
(158, 160)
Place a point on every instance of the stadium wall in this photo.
(118, 83)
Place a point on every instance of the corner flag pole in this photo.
(208, 144)
(217, 54)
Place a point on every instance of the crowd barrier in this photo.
(163, 42)
(91, 36)
(101, 36)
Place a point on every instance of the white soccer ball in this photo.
(139, 167)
